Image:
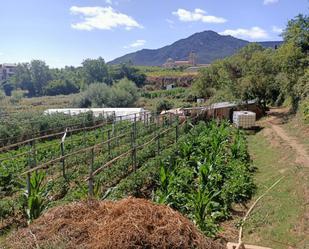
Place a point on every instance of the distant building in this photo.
(7, 71)
(196, 68)
(170, 87)
(170, 63)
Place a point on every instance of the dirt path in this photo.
(274, 120)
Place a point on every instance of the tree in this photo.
(22, 79)
(95, 71)
(124, 93)
(129, 72)
(297, 32)
(57, 87)
(40, 76)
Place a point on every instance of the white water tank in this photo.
(244, 119)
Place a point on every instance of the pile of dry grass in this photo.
(129, 223)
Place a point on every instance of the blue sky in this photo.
(65, 32)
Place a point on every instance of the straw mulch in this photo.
(128, 223)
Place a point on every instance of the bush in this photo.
(304, 110)
(57, 87)
(17, 95)
(2, 95)
(163, 104)
(122, 94)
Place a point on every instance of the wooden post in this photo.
(33, 149)
(158, 143)
(90, 181)
(109, 143)
(84, 132)
(28, 179)
(62, 160)
(135, 130)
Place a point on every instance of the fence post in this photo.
(33, 149)
(109, 143)
(90, 181)
(135, 130)
(28, 179)
(158, 143)
(62, 160)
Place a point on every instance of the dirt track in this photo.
(274, 121)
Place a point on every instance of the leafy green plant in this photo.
(36, 199)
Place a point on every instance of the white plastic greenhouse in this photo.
(118, 113)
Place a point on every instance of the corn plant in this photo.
(37, 198)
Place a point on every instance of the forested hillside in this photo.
(208, 46)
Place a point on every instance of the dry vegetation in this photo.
(129, 223)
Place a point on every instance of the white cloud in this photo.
(277, 30)
(105, 18)
(266, 2)
(197, 15)
(254, 33)
(137, 43)
(108, 1)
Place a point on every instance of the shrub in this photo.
(57, 87)
(163, 104)
(2, 95)
(304, 111)
(17, 95)
(122, 94)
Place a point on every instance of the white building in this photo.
(7, 70)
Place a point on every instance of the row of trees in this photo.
(38, 79)
(271, 76)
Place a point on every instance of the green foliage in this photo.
(269, 75)
(209, 170)
(162, 105)
(57, 87)
(2, 95)
(15, 129)
(129, 72)
(304, 110)
(7, 208)
(178, 92)
(122, 94)
(36, 199)
(38, 79)
(95, 70)
(297, 32)
(17, 95)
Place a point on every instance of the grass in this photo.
(276, 220)
(296, 127)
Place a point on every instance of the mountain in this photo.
(207, 45)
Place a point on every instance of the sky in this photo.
(65, 32)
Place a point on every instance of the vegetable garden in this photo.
(198, 168)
